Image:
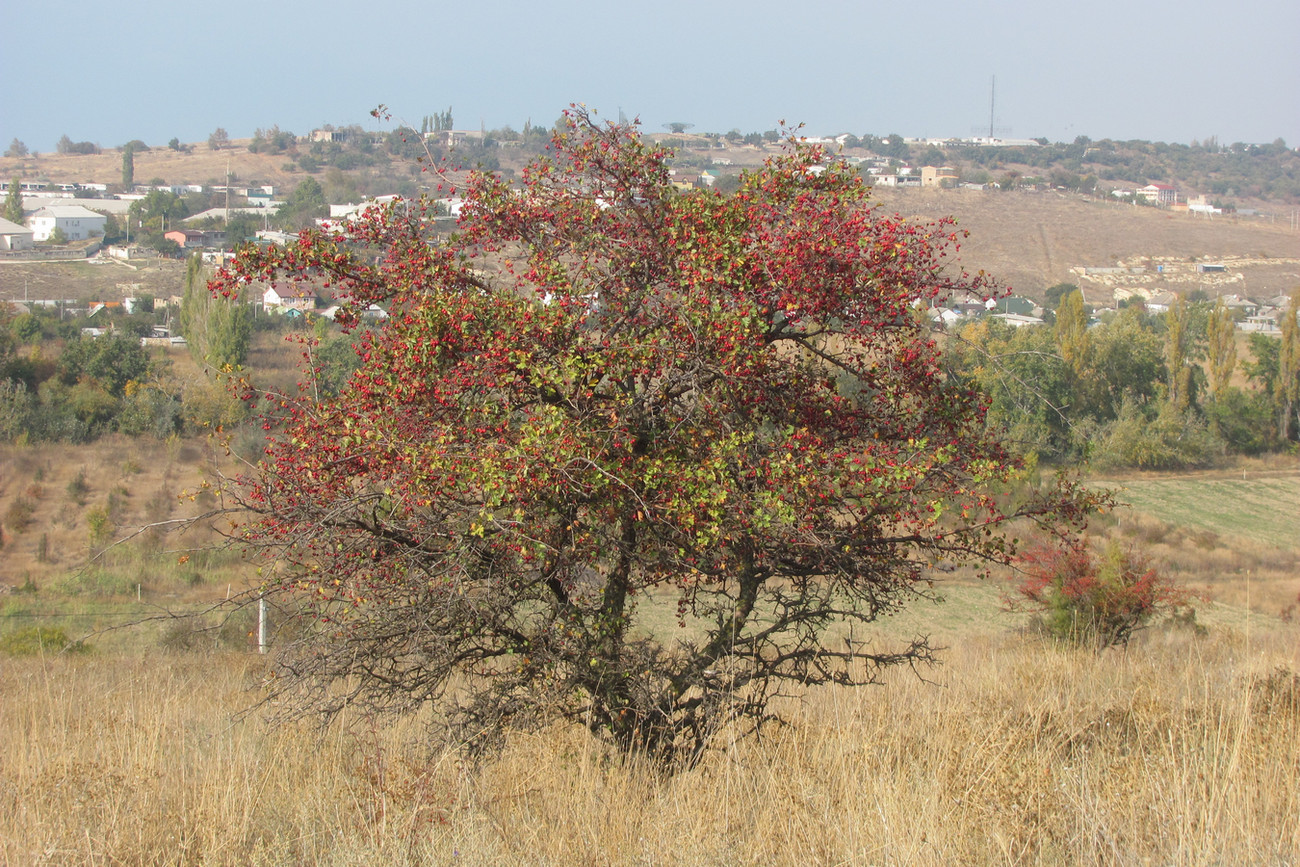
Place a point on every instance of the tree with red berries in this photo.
(635, 457)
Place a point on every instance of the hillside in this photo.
(1028, 239)
(1035, 240)
(200, 165)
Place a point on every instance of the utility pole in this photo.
(993, 95)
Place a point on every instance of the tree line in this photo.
(1155, 391)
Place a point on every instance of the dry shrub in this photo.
(18, 517)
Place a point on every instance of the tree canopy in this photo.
(624, 455)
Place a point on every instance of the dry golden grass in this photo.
(1177, 751)
(130, 482)
(202, 165)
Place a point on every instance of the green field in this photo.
(1265, 510)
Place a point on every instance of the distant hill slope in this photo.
(1028, 240)
(1034, 240)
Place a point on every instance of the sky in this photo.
(1137, 69)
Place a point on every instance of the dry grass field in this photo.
(1183, 748)
(102, 279)
(1032, 241)
(1178, 750)
(201, 165)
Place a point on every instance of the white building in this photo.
(14, 236)
(76, 222)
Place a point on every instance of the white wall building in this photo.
(77, 223)
(14, 236)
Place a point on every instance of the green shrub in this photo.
(1170, 441)
(97, 582)
(38, 640)
(1244, 419)
(78, 488)
(101, 526)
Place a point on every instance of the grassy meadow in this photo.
(144, 746)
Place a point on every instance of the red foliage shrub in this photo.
(1090, 600)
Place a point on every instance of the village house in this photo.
(76, 223)
(195, 239)
(1240, 307)
(940, 176)
(1161, 302)
(1158, 194)
(14, 236)
(295, 299)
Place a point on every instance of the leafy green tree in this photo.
(158, 210)
(1126, 363)
(334, 359)
(218, 328)
(149, 409)
(68, 146)
(1286, 387)
(18, 410)
(218, 140)
(114, 230)
(242, 227)
(1263, 369)
(128, 166)
(14, 202)
(305, 205)
(26, 328)
(110, 362)
(1244, 419)
(1176, 355)
(164, 245)
(1221, 346)
(894, 147)
(16, 149)
(1053, 295)
(1027, 381)
(1165, 439)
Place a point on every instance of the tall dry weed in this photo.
(1177, 751)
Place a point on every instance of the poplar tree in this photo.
(1286, 388)
(1220, 333)
(14, 202)
(128, 166)
(1179, 374)
(218, 329)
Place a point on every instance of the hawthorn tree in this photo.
(633, 457)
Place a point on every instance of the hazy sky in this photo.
(1136, 69)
